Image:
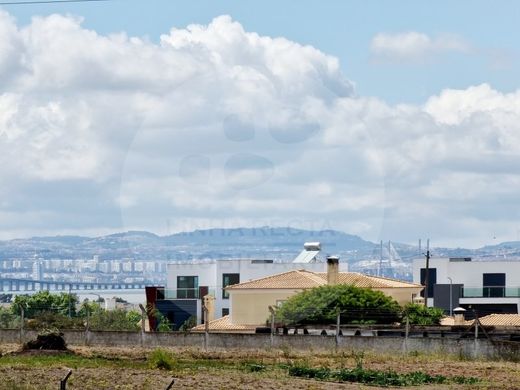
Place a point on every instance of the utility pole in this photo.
(427, 273)
(380, 270)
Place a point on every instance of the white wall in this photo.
(468, 273)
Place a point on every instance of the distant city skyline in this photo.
(392, 121)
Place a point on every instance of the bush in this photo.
(161, 359)
(48, 320)
(422, 315)
(117, 319)
(188, 324)
(377, 377)
(8, 320)
(357, 305)
(44, 301)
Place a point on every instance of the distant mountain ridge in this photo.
(251, 242)
(264, 242)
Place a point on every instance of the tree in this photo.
(44, 301)
(421, 315)
(8, 319)
(320, 305)
(117, 319)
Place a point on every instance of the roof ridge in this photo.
(265, 278)
(312, 276)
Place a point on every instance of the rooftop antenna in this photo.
(427, 273)
(380, 269)
(390, 257)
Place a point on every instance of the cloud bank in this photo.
(217, 126)
(415, 47)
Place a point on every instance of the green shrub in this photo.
(161, 359)
(188, 324)
(320, 305)
(256, 367)
(44, 301)
(422, 315)
(8, 320)
(117, 319)
(50, 320)
(376, 377)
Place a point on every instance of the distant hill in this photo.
(261, 242)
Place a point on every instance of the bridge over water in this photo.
(30, 285)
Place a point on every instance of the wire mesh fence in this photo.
(64, 311)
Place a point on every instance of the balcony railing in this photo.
(491, 292)
(181, 293)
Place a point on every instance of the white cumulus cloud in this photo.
(218, 126)
(414, 47)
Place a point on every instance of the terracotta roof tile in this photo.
(302, 279)
(499, 320)
(224, 324)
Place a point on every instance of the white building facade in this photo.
(194, 279)
(487, 286)
(191, 280)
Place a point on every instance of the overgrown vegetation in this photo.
(163, 324)
(422, 315)
(44, 301)
(161, 359)
(45, 310)
(8, 320)
(320, 305)
(377, 377)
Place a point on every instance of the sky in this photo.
(393, 120)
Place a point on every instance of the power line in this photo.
(47, 2)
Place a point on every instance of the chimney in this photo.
(458, 314)
(332, 270)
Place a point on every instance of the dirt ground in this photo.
(127, 368)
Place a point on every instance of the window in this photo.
(432, 280)
(187, 287)
(225, 311)
(228, 280)
(494, 285)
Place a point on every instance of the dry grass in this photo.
(127, 368)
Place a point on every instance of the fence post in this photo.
(271, 309)
(206, 326)
(143, 323)
(87, 325)
(338, 323)
(63, 382)
(406, 333)
(476, 322)
(22, 320)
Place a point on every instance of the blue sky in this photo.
(392, 120)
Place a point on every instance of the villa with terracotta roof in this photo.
(250, 300)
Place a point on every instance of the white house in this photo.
(194, 279)
(487, 286)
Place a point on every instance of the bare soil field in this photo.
(130, 368)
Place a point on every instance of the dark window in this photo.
(187, 287)
(228, 280)
(432, 280)
(225, 311)
(494, 285)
